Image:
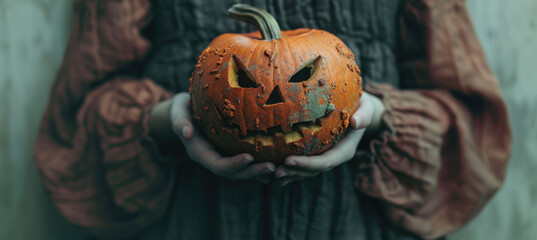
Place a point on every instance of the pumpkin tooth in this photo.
(266, 140)
(315, 128)
(292, 136)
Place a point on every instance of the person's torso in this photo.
(323, 207)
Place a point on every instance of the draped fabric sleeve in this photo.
(96, 156)
(445, 144)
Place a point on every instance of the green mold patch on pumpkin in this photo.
(312, 106)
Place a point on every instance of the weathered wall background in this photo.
(33, 35)
(508, 34)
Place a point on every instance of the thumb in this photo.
(180, 116)
(363, 115)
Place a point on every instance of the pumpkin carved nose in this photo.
(275, 97)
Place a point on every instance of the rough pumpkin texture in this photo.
(275, 98)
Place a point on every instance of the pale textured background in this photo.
(33, 35)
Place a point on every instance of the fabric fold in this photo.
(113, 177)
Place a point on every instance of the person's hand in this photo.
(367, 115)
(200, 150)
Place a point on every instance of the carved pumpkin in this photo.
(274, 94)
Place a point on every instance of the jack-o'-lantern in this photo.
(274, 93)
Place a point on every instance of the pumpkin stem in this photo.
(267, 25)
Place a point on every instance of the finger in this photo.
(285, 181)
(340, 153)
(285, 171)
(254, 171)
(363, 115)
(202, 152)
(226, 166)
(180, 114)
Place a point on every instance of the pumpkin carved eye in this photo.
(239, 77)
(306, 71)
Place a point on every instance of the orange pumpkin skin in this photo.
(307, 118)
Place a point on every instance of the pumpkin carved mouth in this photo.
(274, 134)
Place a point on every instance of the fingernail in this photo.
(284, 183)
(281, 174)
(271, 168)
(357, 120)
(290, 162)
(247, 159)
(184, 130)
